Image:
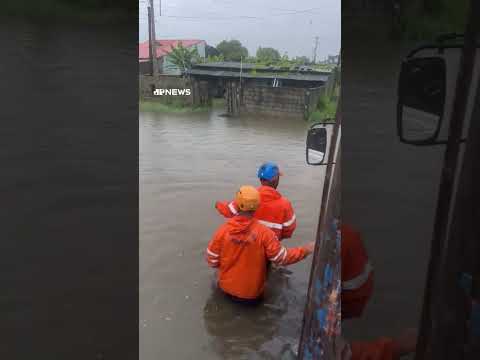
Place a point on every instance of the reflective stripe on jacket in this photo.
(275, 212)
(357, 273)
(240, 249)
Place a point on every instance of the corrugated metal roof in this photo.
(236, 74)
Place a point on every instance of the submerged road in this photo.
(187, 161)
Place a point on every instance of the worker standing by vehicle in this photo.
(275, 211)
(357, 273)
(357, 288)
(241, 248)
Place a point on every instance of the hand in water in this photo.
(309, 247)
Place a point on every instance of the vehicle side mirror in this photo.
(421, 100)
(316, 145)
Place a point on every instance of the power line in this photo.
(213, 18)
(243, 17)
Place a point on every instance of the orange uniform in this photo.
(357, 288)
(380, 349)
(357, 274)
(275, 212)
(240, 249)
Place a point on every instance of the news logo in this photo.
(172, 92)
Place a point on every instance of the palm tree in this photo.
(183, 57)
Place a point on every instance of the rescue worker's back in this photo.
(241, 247)
(274, 211)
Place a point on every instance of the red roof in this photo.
(164, 47)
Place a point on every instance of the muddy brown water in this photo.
(186, 162)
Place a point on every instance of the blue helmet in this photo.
(268, 171)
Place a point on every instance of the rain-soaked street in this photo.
(187, 161)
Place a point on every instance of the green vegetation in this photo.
(326, 109)
(183, 57)
(176, 107)
(232, 50)
(156, 106)
(267, 55)
(214, 58)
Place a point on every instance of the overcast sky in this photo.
(286, 25)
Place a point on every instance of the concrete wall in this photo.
(311, 98)
(280, 101)
(200, 94)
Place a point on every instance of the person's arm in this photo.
(280, 255)
(290, 222)
(214, 250)
(385, 348)
(380, 349)
(227, 209)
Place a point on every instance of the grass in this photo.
(218, 103)
(176, 107)
(326, 109)
(158, 107)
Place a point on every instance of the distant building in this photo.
(332, 59)
(271, 90)
(270, 76)
(164, 48)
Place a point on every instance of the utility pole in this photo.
(150, 42)
(153, 40)
(315, 50)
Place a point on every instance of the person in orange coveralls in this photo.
(241, 247)
(275, 211)
(357, 288)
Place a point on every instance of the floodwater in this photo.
(187, 161)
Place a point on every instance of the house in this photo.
(252, 88)
(164, 48)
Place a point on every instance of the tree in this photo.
(232, 50)
(268, 55)
(214, 58)
(183, 57)
(211, 51)
(301, 60)
(284, 61)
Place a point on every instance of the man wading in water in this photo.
(241, 248)
(274, 211)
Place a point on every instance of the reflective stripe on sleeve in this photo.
(271, 225)
(290, 222)
(232, 208)
(281, 252)
(211, 253)
(359, 280)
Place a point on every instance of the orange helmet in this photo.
(247, 198)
